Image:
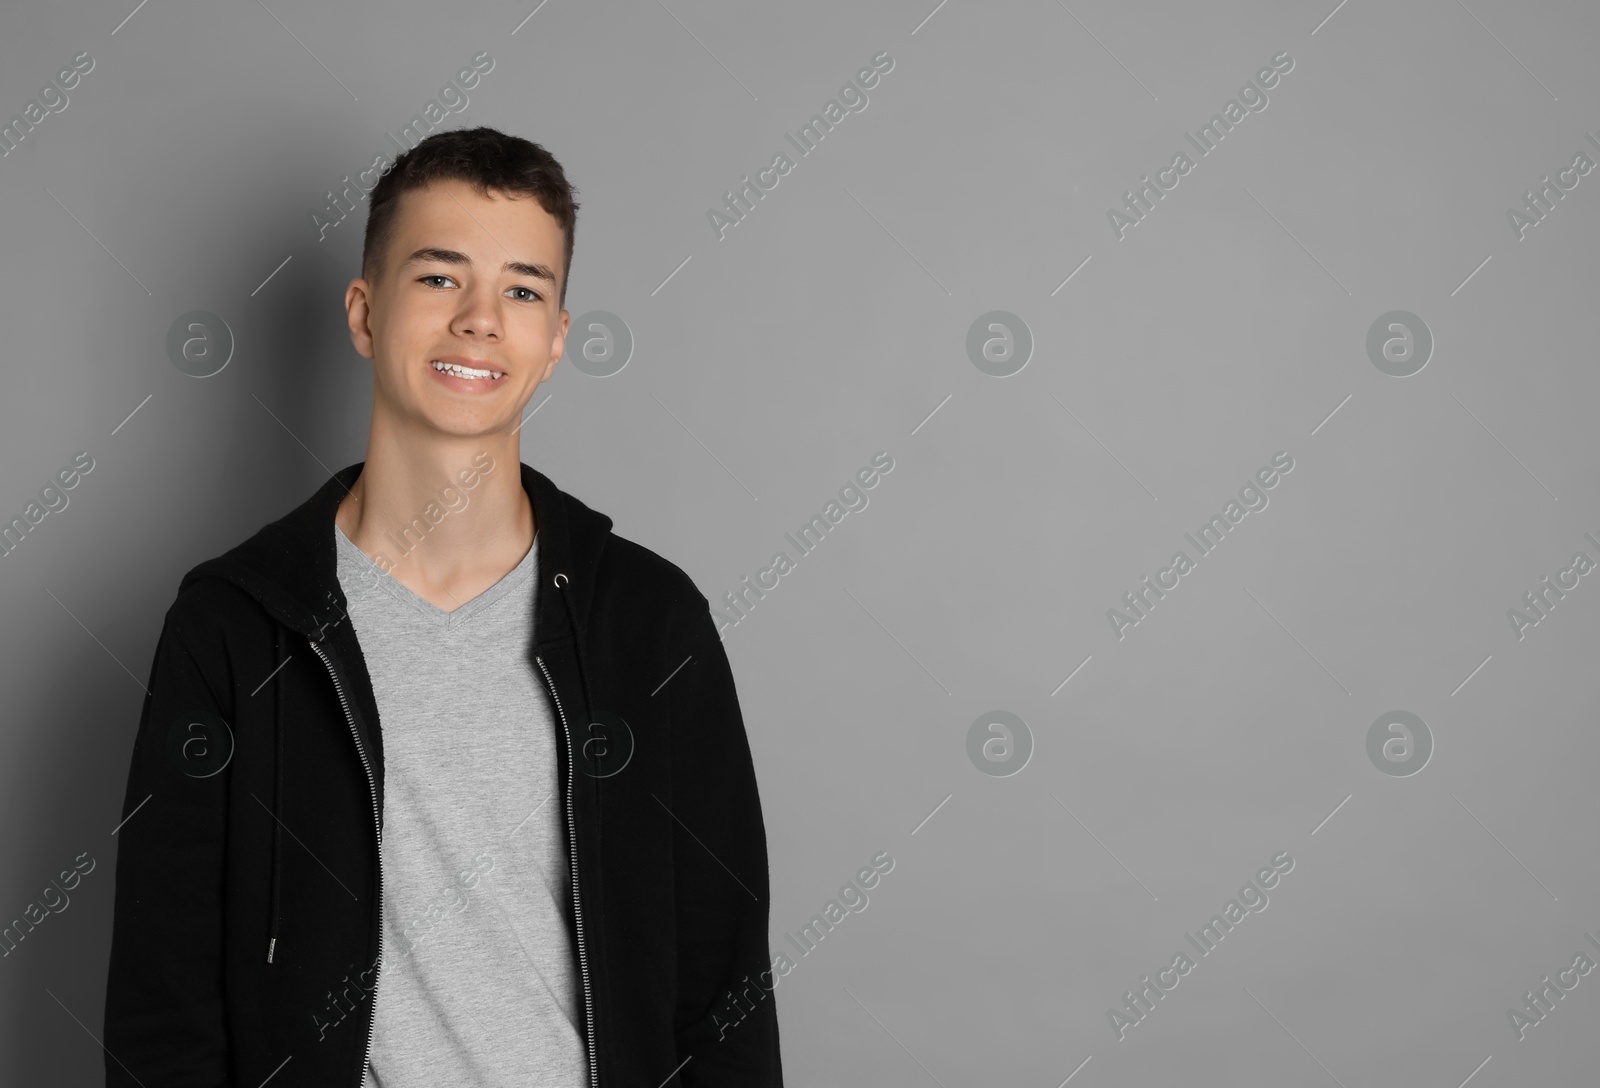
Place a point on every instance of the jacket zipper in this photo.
(577, 906)
(377, 821)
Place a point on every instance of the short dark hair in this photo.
(486, 158)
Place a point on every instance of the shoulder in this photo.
(209, 608)
(641, 575)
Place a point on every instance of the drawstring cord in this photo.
(277, 804)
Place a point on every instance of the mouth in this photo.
(466, 373)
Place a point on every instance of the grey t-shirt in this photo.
(479, 984)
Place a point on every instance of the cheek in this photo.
(536, 336)
(415, 328)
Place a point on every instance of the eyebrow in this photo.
(456, 257)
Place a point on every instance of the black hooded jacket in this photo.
(247, 934)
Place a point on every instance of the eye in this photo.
(532, 294)
(434, 276)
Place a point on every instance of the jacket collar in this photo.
(290, 565)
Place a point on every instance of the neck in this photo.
(435, 511)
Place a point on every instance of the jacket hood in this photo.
(290, 567)
(291, 564)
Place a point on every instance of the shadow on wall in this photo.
(291, 406)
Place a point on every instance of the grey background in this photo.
(1177, 761)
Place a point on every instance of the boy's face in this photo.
(445, 293)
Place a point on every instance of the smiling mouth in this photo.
(465, 371)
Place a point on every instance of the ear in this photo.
(558, 344)
(358, 314)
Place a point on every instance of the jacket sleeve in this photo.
(164, 1017)
(727, 1011)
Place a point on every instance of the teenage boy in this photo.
(440, 781)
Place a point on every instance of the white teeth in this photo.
(464, 372)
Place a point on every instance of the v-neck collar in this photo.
(448, 619)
